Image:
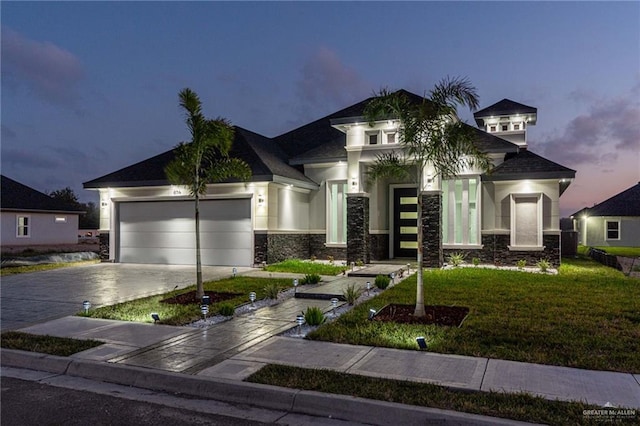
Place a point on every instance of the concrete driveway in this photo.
(32, 298)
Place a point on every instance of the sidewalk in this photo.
(233, 350)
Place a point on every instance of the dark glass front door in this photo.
(405, 222)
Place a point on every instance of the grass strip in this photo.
(61, 346)
(140, 310)
(12, 270)
(297, 266)
(521, 406)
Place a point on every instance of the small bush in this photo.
(382, 281)
(314, 316)
(521, 264)
(226, 309)
(330, 259)
(313, 258)
(456, 259)
(359, 263)
(475, 261)
(271, 291)
(351, 294)
(543, 264)
(311, 279)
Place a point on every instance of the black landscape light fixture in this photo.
(408, 268)
(392, 276)
(234, 271)
(421, 342)
(300, 321)
(372, 313)
(204, 309)
(206, 300)
(86, 305)
(155, 317)
(252, 297)
(295, 285)
(368, 287)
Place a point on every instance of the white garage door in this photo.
(164, 232)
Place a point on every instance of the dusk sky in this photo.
(91, 87)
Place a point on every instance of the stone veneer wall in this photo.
(379, 246)
(272, 248)
(432, 229)
(318, 248)
(495, 251)
(357, 228)
(103, 239)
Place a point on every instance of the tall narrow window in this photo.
(612, 230)
(23, 226)
(337, 215)
(460, 212)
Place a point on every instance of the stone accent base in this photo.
(495, 251)
(432, 229)
(357, 228)
(318, 248)
(103, 239)
(379, 246)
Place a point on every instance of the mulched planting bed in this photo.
(190, 298)
(439, 315)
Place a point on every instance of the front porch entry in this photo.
(405, 222)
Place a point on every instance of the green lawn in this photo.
(140, 310)
(622, 251)
(297, 266)
(61, 346)
(12, 270)
(587, 316)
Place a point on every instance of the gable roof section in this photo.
(19, 197)
(527, 165)
(503, 107)
(265, 158)
(626, 203)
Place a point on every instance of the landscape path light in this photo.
(86, 305)
(252, 297)
(234, 271)
(422, 343)
(372, 313)
(206, 300)
(155, 317)
(334, 304)
(368, 287)
(295, 285)
(408, 268)
(205, 310)
(300, 321)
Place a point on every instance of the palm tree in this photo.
(431, 135)
(203, 160)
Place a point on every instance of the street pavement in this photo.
(228, 352)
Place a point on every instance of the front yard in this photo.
(587, 316)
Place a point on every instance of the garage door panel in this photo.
(164, 232)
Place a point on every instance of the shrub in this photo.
(314, 316)
(313, 258)
(543, 264)
(351, 294)
(359, 263)
(330, 259)
(382, 281)
(521, 263)
(311, 279)
(475, 261)
(456, 259)
(226, 309)
(271, 291)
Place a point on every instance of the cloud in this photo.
(50, 72)
(599, 136)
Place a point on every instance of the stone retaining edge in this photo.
(341, 407)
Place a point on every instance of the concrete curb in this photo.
(265, 396)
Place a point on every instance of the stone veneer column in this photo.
(432, 229)
(358, 228)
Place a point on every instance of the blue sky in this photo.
(91, 87)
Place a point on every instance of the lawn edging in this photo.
(341, 407)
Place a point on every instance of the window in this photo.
(23, 227)
(372, 138)
(492, 128)
(337, 212)
(516, 127)
(61, 219)
(391, 137)
(526, 221)
(505, 127)
(460, 212)
(612, 230)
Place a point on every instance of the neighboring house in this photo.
(309, 196)
(32, 218)
(614, 222)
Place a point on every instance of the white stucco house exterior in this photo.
(31, 218)
(309, 196)
(614, 222)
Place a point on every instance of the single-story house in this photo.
(30, 217)
(309, 196)
(614, 222)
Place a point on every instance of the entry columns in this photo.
(358, 227)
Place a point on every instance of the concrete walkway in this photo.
(233, 350)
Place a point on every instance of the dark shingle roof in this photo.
(503, 107)
(626, 203)
(16, 196)
(527, 165)
(263, 155)
(486, 142)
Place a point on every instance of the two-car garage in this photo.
(163, 232)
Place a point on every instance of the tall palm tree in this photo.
(203, 160)
(431, 135)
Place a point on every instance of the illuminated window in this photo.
(337, 215)
(61, 219)
(612, 230)
(460, 211)
(505, 127)
(23, 226)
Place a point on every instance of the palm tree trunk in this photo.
(419, 310)
(199, 286)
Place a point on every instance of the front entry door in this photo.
(405, 222)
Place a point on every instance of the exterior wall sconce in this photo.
(261, 200)
(354, 182)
